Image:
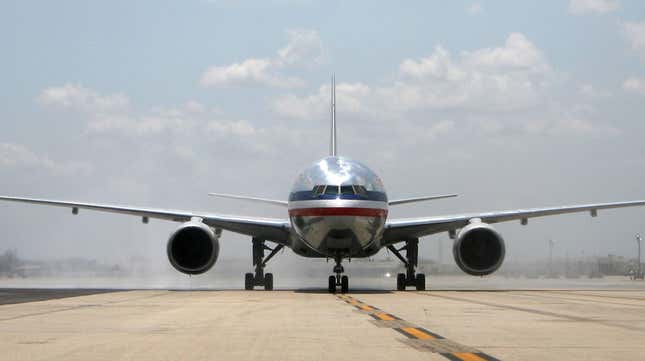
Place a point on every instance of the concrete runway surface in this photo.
(314, 325)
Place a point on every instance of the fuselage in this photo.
(337, 208)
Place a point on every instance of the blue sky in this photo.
(512, 104)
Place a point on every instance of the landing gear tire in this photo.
(268, 282)
(248, 281)
(400, 282)
(420, 282)
(332, 284)
(344, 284)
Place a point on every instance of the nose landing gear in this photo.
(338, 279)
(410, 261)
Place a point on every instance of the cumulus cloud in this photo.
(635, 33)
(579, 7)
(303, 47)
(497, 78)
(512, 76)
(635, 85)
(14, 155)
(495, 90)
(350, 97)
(78, 97)
(111, 114)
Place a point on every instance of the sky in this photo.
(156, 103)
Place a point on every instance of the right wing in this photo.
(270, 229)
(253, 199)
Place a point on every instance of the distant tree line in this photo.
(9, 262)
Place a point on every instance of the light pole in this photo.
(638, 241)
(551, 243)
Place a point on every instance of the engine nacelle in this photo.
(193, 248)
(479, 250)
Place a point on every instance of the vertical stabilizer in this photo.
(332, 144)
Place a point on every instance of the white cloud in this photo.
(512, 76)
(111, 114)
(636, 85)
(635, 33)
(77, 97)
(495, 90)
(303, 47)
(16, 155)
(248, 72)
(351, 98)
(579, 7)
(188, 120)
(517, 53)
(508, 77)
(590, 91)
(475, 8)
(240, 128)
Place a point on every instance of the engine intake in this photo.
(193, 248)
(479, 250)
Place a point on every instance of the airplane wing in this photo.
(270, 229)
(397, 230)
(252, 199)
(419, 199)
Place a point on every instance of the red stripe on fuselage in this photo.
(338, 211)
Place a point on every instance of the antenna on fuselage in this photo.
(332, 144)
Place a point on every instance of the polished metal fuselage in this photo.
(346, 225)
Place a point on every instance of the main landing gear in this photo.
(410, 261)
(259, 261)
(338, 280)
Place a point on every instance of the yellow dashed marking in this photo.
(468, 356)
(417, 333)
(435, 343)
(384, 316)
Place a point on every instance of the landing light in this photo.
(388, 275)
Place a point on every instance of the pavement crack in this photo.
(538, 312)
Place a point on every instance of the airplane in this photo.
(337, 209)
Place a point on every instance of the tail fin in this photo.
(332, 144)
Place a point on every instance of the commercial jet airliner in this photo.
(337, 209)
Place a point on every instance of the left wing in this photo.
(270, 229)
(419, 199)
(397, 230)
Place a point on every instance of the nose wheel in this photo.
(339, 279)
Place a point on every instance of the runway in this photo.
(315, 325)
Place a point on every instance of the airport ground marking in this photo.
(418, 337)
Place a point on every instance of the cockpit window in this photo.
(347, 189)
(331, 190)
(360, 190)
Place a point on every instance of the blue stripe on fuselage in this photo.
(309, 196)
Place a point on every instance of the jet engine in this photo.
(479, 250)
(193, 248)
